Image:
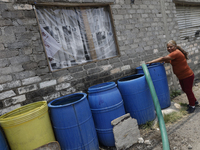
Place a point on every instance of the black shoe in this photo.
(190, 109)
(196, 103)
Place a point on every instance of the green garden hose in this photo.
(163, 131)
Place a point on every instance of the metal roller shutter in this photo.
(188, 18)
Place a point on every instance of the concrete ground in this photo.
(182, 135)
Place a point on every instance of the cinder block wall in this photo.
(142, 29)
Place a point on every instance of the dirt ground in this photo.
(182, 135)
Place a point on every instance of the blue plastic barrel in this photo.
(73, 123)
(137, 98)
(3, 143)
(159, 78)
(106, 105)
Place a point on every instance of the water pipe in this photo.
(163, 131)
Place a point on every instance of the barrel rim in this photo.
(68, 104)
(96, 88)
(151, 66)
(10, 117)
(118, 81)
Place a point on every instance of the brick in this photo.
(22, 7)
(106, 67)
(52, 96)
(62, 86)
(42, 71)
(90, 65)
(104, 74)
(24, 74)
(16, 45)
(11, 85)
(27, 89)
(3, 7)
(92, 77)
(14, 100)
(38, 94)
(69, 91)
(75, 69)
(27, 21)
(6, 22)
(93, 71)
(79, 74)
(30, 65)
(103, 62)
(7, 54)
(25, 36)
(7, 38)
(64, 78)
(1, 47)
(4, 62)
(1, 88)
(116, 70)
(31, 80)
(5, 78)
(9, 109)
(11, 69)
(127, 67)
(28, 51)
(14, 29)
(39, 57)
(19, 59)
(47, 83)
(7, 94)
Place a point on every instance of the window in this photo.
(76, 35)
(188, 20)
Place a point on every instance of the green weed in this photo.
(147, 125)
(175, 94)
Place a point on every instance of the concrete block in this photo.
(106, 67)
(127, 67)
(68, 91)
(62, 86)
(11, 85)
(22, 7)
(2, 47)
(19, 59)
(7, 94)
(14, 100)
(4, 62)
(5, 78)
(30, 65)
(31, 80)
(16, 68)
(126, 132)
(48, 83)
(64, 78)
(52, 96)
(27, 89)
(8, 109)
(93, 71)
(116, 70)
(24, 75)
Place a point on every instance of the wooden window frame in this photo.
(79, 5)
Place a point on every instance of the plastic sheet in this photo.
(76, 35)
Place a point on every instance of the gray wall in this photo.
(142, 29)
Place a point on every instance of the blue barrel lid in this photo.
(101, 87)
(67, 100)
(151, 66)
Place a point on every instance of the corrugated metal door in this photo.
(188, 18)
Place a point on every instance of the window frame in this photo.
(78, 5)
